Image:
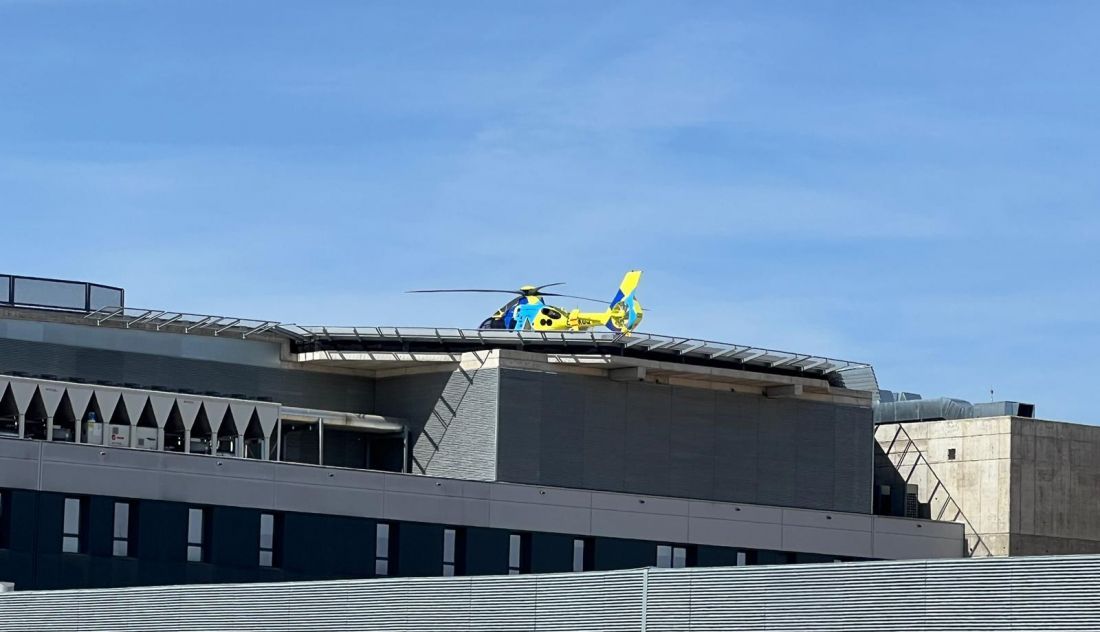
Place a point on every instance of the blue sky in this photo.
(914, 186)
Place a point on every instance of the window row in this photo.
(364, 547)
(74, 529)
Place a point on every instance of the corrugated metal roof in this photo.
(1059, 593)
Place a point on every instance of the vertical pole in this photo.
(405, 449)
(160, 439)
(264, 447)
(320, 441)
(22, 426)
(187, 441)
(645, 597)
(49, 428)
(279, 440)
(238, 448)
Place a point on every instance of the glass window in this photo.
(70, 539)
(578, 555)
(5, 289)
(382, 549)
(121, 537)
(679, 557)
(196, 544)
(515, 548)
(267, 539)
(742, 558)
(671, 556)
(664, 556)
(449, 537)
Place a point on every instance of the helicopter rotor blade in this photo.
(542, 287)
(582, 298)
(453, 291)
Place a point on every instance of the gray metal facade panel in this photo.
(568, 428)
(518, 426)
(991, 594)
(287, 386)
(646, 440)
(574, 430)
(195, 347)
(604, 435)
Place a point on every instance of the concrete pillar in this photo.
(279, 440)
(22, 426)
(49, 428)
(320, 441)
(160, 439)
(187, 441)
(238, 447)
(263, 449)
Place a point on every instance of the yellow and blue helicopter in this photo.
(529, 311)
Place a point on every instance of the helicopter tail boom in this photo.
(623, 313)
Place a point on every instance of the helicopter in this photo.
(529, 311)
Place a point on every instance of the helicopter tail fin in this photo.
(624, 311)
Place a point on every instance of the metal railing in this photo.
(667, 345)
(59, 294)
(181, 322)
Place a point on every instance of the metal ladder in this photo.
(908, 458)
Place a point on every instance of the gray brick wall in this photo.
(579, 431)
(452, 417)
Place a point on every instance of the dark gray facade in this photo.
(327, 519)
(327, 391)
(590, 432)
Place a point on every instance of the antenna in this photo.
(990, 393)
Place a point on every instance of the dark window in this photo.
(269, 536)
(671, 556)
(197, 540)
(72, 540)
(950, 454)
(382, 549)
(123, 529)
(742, 558)
(450, 543)
(884, 501)
(5, 512)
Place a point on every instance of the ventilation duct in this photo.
(891, 407)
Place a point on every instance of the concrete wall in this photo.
(1028, 487)
(977, 478)
(641, 437)
(1055, 506)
